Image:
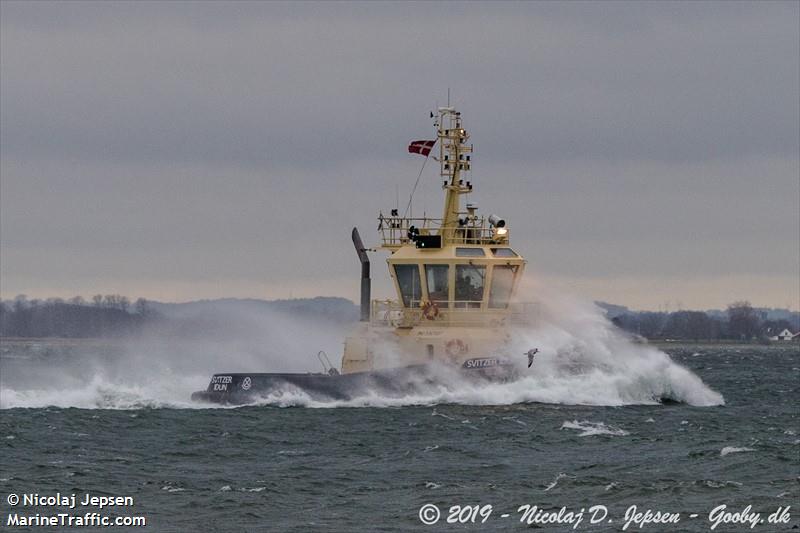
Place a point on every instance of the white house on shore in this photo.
(785, 335)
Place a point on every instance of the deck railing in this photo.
(395, 230)
(392, 313)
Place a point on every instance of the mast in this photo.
(454, 157)
(456, 226)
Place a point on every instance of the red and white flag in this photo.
(421, 147)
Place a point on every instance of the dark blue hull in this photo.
(396, 382)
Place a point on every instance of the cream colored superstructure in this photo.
(454, 295)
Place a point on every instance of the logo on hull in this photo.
(484, 362)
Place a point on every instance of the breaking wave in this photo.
(583, 360)
(101, 393)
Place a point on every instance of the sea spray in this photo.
(583, 359)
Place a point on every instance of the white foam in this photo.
(721, 484)
(589, 429)
(101, 392)
(292, 452)
(583, 360)
(515, 420)
(733, 449)
(555, 481)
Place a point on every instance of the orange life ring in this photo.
(430, 310)
(456, 347)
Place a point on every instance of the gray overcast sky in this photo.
(643, 153)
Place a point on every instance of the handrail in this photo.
(475, 230)
(392, 313)
(329, 369)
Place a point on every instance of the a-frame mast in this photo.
(454, 157)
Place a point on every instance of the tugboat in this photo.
(455, 278)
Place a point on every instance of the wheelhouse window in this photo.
(436, 276)
(504, 252)
(409, 283)
(469, 252)
(469, 285)
(502, 283)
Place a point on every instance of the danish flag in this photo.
(421, 147)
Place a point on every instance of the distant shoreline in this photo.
(83, 341)
(717, 342)
(76, 341)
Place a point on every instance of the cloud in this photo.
(207, 141)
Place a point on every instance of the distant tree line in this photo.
(740, 322)
(108, 315)
(113, 315)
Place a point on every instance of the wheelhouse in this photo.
(456, 277)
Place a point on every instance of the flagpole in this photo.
(411, 196)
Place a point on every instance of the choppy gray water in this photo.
(277, 468)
